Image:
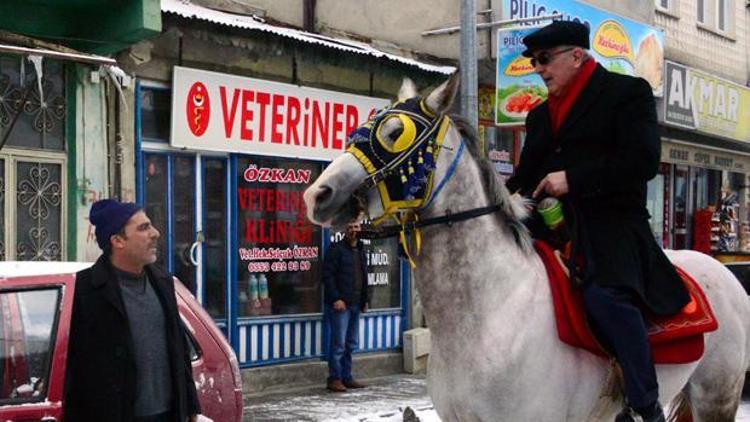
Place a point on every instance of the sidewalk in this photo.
(384, 400)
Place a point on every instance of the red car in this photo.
(35, 307)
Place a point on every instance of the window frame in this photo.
(11, 156)
(672, 8)
(722, 7)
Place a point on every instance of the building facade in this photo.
(65, 121)
(234, 118)
(701, 191)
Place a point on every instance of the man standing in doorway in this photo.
(595, 144)
(346, 295)
(128, 358)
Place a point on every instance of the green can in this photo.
(551, 210)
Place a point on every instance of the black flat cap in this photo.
(555, 34)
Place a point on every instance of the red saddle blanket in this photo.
(673, 339)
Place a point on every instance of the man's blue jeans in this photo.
(344, 340)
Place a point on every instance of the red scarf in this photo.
(560, 105)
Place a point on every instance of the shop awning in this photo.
(91, 26)
(186, 9)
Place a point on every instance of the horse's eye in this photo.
(390, 129)
(396, 133)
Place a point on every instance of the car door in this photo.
(34, 318)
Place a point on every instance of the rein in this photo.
(448, 218)
(402, 170)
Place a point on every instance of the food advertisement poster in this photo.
(619, 44)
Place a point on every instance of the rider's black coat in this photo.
(609, 147)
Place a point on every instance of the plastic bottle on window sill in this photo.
(252, 291)
(262, 287)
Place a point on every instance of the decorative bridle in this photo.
(403, 171)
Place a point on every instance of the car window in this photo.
(28, 320)
(193, 348)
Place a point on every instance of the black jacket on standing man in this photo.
(338, 274)
(609, 146)
(100, 382)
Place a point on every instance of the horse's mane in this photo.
(511, 212)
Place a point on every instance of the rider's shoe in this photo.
(652, 413)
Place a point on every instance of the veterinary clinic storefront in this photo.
(226, 179)
(699, 200)
(235, 118)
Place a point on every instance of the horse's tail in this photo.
(680, 409)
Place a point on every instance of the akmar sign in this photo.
(219, 112)
(699, 101)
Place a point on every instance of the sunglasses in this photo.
(545, 57)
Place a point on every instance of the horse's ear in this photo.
(440, 100)
(408, 90)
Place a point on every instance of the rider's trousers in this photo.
(620, 327)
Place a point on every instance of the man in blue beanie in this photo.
(128, 359)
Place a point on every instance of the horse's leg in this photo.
(715, 387)
(715, 400)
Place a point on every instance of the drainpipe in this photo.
(308, 15)
(469, 101)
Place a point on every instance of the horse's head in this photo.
(390, 160)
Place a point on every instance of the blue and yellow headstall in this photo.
(401, 169)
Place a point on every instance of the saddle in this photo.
(674, 339)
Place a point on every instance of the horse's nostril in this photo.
(324, 194)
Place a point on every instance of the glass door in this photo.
(186, 198)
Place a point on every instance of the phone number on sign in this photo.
(278, 266)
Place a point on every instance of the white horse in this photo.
(495, 351)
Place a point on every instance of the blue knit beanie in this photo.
(110, 216)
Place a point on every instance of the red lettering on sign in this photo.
(338, 125)
(320, 125)
(228, 117)
(277, 118)
(352, 119)
(292, 112)
(246, 134)
(263, 99)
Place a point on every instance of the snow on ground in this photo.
(384, 400)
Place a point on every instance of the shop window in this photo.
(157, 201)
(215, 245)
(500, 145)
(31, 118)
(655, 206)
(383, 273)
(32, 204)
(26, 344)
(279, 249)
(155, 114)
(183, 220)
(680, 233)
(38, 211)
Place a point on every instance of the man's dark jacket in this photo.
(100, 379)
(609, 147)
(338, 274)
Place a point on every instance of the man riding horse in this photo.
(595, 144)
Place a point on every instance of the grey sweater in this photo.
(148, 330)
